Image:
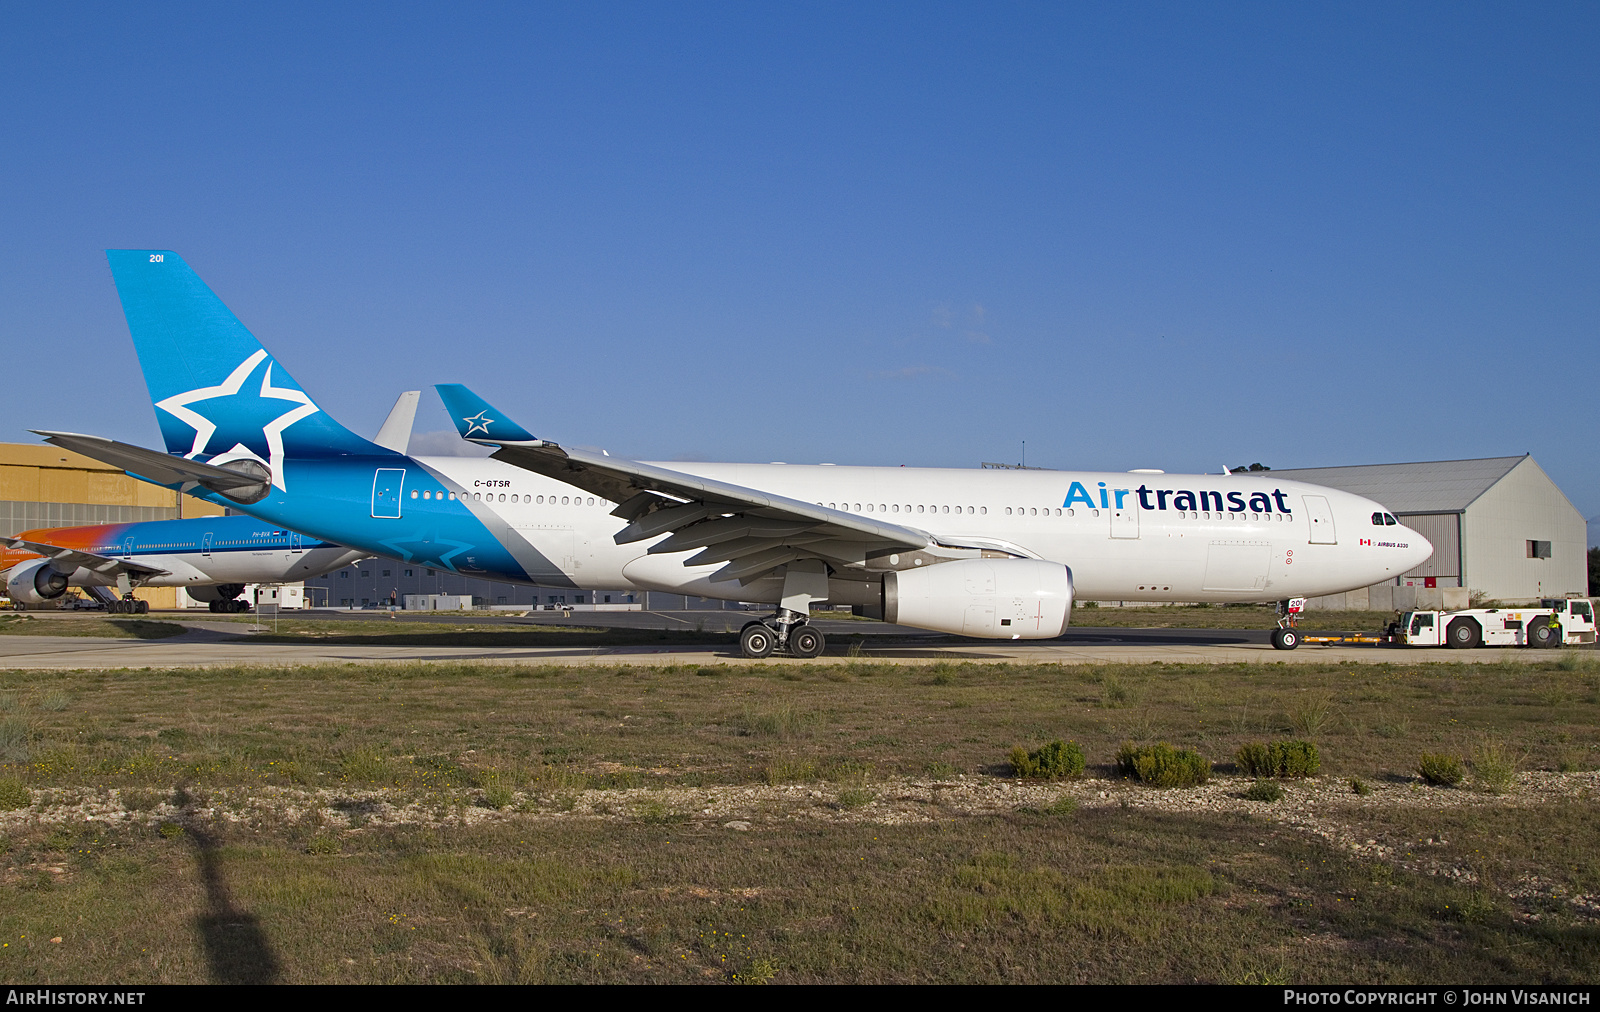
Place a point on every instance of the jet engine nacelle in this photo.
(215, 591)
(35, 582)
(993, 598)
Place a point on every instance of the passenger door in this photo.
(1321, 516)
(1125, 521)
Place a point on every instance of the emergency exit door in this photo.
(387, 485)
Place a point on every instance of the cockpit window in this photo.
(1388, 519)
(1377, 519)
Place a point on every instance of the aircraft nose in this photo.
(1420, 550)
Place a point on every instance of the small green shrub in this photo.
(1441, 769)
(15, 735)
(783, 771)
(1494, 767)
(1055, 761)
(1063, 805)
(941, 770)
(1161, 765)
(1287, 759)
(1311, 713)
(855, 797)
(498, 794)
(13, 794)
(1264, 790)
(1113, 693)
(1359, 786)
(170, 830)
(363, 765)
(323, 843)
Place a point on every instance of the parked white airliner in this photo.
(988, 553)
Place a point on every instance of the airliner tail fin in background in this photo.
(477, 421)
(217, 391)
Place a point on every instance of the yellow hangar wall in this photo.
(43, 486)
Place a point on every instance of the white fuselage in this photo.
(1240, 537)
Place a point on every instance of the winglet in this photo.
(478, 422)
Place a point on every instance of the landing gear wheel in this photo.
(216, 607)
(807, 642)
(1285, 639)
(144, 607)
(1545, 636)
(756, 640)
(1463, 634)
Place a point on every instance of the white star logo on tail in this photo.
(205, 428)
(478, 423)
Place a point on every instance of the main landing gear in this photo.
(804, 581)
(786, 631)
(128, 606)
(1286, 636)
(230, 607)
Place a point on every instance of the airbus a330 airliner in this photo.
(987, 553)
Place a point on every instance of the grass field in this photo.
(852, 822)
(88, 625)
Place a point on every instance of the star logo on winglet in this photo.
(478, 423)
(238, 425)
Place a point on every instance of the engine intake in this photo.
(990, 598)
(36, 582)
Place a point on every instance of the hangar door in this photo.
(1444, 530)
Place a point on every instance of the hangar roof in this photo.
(1433, 486)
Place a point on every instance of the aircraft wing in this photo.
(752, 531)
(163, 468)
(69, 559)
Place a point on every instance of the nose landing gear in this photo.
(1286, 636)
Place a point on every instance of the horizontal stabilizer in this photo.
(165, 469)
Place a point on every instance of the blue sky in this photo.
(1175, 236)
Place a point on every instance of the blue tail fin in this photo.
(478, 421)
(217, 392)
